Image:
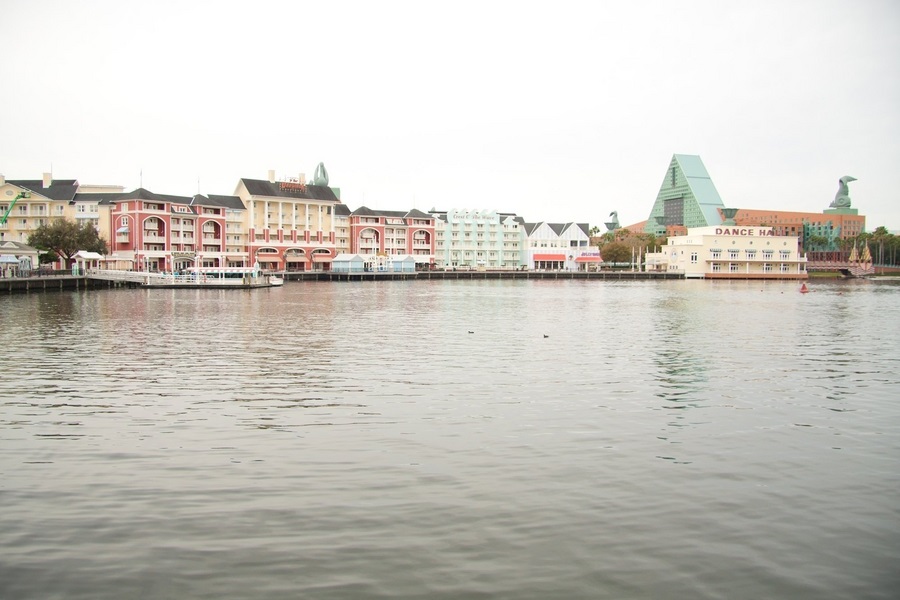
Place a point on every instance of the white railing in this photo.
(115, 275)
(165, 278)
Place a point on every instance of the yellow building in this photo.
(289, 224)
(30, 203)
(731, 252)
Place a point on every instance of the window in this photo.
(733, 268)
(716, 254)
(767, 268)
(785, 268)
(693, 258)
(716, 267)
(734, 254)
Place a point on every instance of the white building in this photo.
(731, 252)
(477, 239)
(559, 246)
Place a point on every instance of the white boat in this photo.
(275, 280)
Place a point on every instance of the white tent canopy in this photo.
(85, 255)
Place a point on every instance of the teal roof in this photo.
(691, 165)
(688, 191)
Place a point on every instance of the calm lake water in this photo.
(460, 439)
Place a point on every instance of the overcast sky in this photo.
(557, 111)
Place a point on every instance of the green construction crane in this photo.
(9, 210)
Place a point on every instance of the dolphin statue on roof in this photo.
(842, 198)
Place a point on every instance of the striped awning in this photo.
(549, 257)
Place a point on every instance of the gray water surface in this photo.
(483, 439)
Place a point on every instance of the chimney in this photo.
(48, 179)
(271, 175)
(303, 178)
(2, 179)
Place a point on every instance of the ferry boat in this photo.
(193, 277)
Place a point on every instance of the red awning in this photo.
(561, 257)
(588, 259)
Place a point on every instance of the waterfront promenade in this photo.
(478, 275)
(72, 282)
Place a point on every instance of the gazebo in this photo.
(85, 260)
(17, 258)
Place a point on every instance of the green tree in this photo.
(815, 242)
(616, 252)
(62, 238)
(880, 240)
(892, 245)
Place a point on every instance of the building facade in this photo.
(687, 197)
(30, 203)
(473, 239)
(288, 224)
(393, 233)
(731, 252)
(160, 232)
(823, 229)
(559, 246)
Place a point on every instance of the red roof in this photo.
(585, 259)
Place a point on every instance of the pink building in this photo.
(159, 232)
(385, 232)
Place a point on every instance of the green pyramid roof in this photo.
(686, 197)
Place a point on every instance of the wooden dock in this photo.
(480, 275)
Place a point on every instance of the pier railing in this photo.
(145, 278)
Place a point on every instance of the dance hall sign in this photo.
(745, 231)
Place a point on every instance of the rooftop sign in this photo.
(292, 186)
(745, 231)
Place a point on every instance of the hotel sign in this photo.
(190, 255)
(292, 186)
(757, 231)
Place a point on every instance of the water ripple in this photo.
(586, 440)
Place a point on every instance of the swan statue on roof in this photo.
(321, 175)
(614, 224)
(842, 198)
